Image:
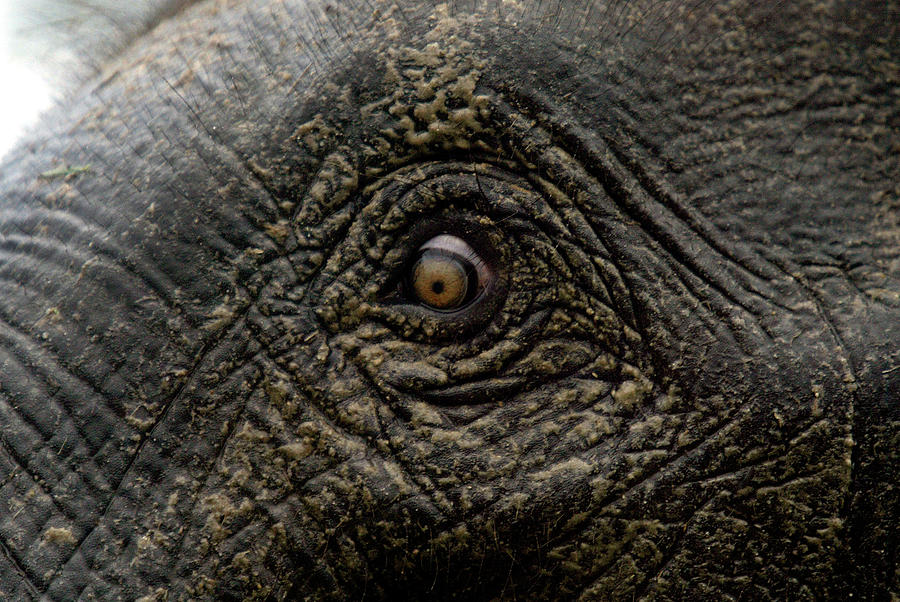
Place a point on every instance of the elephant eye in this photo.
(447, 274)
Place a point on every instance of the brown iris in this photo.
(447, 274)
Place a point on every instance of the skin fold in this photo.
(680, 381)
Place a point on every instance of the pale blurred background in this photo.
(26, 92)
(48, 46)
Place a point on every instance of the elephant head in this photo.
(481, 300)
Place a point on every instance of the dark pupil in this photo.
(437, 287)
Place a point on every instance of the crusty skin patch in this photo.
(508, 466)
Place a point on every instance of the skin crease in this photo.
(682, 382)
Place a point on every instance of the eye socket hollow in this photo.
(447, 274)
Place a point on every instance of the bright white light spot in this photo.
(24, 94)
(26, 97)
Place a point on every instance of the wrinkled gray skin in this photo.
(681, 384)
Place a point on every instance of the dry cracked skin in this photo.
(678, 379)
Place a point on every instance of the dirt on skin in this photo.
(638, 406)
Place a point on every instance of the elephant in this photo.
(475, 299)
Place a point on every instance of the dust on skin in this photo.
(333, 434)
(434, 106)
